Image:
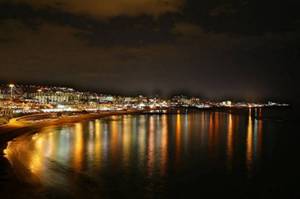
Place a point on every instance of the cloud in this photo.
(118, 31)
(187, 29)
(110, 8)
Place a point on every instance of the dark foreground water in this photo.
(245, 154)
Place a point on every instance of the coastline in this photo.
(21, 125)
(16, 128)
(32, 123)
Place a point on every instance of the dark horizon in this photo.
(242, 50)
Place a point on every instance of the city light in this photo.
(11, 86)
(37, 99)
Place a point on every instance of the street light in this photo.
(11, 86)
(40, 96)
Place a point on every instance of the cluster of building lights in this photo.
(23, 99)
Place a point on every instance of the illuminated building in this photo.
(25, 99)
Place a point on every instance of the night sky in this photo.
(241, 49)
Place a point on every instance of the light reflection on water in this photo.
(151, 146)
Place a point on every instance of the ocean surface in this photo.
(197, 154)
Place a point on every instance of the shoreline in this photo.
(20, 126)
(16, 126)
(15, 129)
(31, 124)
